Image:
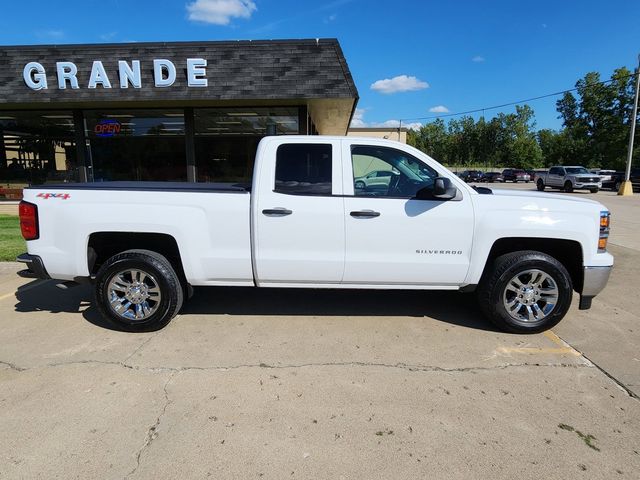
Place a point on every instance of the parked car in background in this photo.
(491, 177)
(515, 175)
(605, 175)
(532, 175)
(570, 178)
(471, 176)
(616, 178)
(375, 178)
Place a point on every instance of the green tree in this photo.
(597, 123)
(432, 139)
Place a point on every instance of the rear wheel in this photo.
(138, 290)
(525, 292)
(540, 186)
(568, 186)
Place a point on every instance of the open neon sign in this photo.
(107, 128)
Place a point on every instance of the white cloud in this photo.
(358, 118)
(220, 12)
(439, 109)
(54, 34)
(401, 83)
(478, 59)
(108, 36)
(358, 122)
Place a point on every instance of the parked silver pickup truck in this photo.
(570, 178)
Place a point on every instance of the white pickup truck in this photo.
(569, 178)
(305, 222)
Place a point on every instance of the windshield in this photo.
(575, 170)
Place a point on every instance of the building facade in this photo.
(163, 111)
(399, 134)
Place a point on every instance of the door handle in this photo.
(276, 212)
(364, 214)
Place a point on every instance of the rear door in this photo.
(555, 177)
(298, 214)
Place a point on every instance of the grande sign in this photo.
(164, 74)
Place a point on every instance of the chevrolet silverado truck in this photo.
(306, 222)
(569, 179)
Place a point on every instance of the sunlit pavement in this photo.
(322, 384)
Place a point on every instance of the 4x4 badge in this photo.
(63, 196)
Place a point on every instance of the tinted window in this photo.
(303, 169)
(554, 171)
(398, 174)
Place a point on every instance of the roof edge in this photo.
(303, 41)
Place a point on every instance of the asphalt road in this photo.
(322, 384)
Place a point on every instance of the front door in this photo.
(393, 238)
(298, 214)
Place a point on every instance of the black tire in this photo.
(540, 186)
(568, 187)
(594, 190)
(493, 285)
(617, 185)
(160, 274)
(360, 184)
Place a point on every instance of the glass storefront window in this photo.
(226, 139)
(36, 147)
(143, 145)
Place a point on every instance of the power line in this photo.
(433, 117)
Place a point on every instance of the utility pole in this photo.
(627, 187)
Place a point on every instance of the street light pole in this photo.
(627, 187)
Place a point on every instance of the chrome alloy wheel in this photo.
(134, 294)
(530, 295)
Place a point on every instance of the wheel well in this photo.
(104, 245)
(567, 252)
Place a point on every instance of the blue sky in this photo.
(407, 58)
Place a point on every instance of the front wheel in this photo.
(138, 290)
(593, 190)
(525, 292)
(540, 186)
(568, 187)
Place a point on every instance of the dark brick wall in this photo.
(243, 70)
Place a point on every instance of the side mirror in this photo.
(442, 190)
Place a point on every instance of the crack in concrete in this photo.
(141, 346)
(152, 432)
(621, 385)
(402, 366)
(12, 366)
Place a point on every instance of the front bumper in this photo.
(579, 185)
(35, 267)
(594, 281)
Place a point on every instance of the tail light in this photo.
(605, 222)
(29, 220)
